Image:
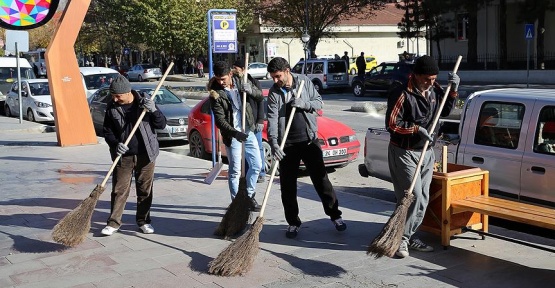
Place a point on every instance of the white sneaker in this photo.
(403, 250)
(109, 230)
(147, 229)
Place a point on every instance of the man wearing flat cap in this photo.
(137, 158)
(411, 109)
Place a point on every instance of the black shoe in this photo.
(339, 224)
(292, 231)
(261, 179)
(254, 205)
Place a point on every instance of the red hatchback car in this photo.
(338, 141)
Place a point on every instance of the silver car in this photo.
(142, 72)
(175, 110)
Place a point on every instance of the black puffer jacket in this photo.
(223, 111)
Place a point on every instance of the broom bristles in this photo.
(239, 256)
(238, 213)
(73, 228)
(389, 239)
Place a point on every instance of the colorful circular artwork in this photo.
(26, 14)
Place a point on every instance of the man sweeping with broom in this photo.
(410, 112)
(138, 157)
(226, 103)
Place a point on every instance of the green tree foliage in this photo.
(289, 16)
(170, 26)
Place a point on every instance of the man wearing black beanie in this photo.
(410, 112)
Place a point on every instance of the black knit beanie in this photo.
(120, 85)
(426, 65)
(239, 63)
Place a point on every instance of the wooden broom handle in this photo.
(136, 125)
(274, 167)
(434, 123)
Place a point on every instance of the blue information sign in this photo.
(225, 33)
(528, 31)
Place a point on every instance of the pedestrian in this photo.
(137, 158)
(226, 104)
(258, 113)
(361, 64)
(200, 68)
(301, 143)
(345, 58)
(411, 109)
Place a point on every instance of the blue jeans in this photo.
(252, 157)
(262, 160)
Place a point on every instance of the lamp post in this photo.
(305, 38)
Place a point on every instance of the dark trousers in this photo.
(143, 169)
(311, 155)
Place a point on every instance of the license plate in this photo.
(336, 77)
(335, 152)
(178, 129)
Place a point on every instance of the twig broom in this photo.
(388, 241)
(72, 229)
(238, 257)
(239, 211)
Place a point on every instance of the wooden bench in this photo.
(506, 209)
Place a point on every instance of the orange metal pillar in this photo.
(71, 110)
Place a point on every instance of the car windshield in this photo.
(97, 81)
(10, 73)
(163, 96)
(148, 66)
(39, 88)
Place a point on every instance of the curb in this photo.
(36, 129)
(369, 107)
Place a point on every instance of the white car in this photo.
(259, 70)
(142, 72)
(36, 101)
(96, 77)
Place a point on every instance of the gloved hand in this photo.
(424, 134)
(259, 127)
(240, 136)
(148, 104)
(454, 80)
(247, 88)
(277, 152)
(122, 148)
(300, 103)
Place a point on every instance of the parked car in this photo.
(382, 78)
(175, 110)
(371, 62)
(142, 72)
(96, 77)
(509, 132)
(338, 141)
(259, 70)
(8, 74)
(35, 99)
(324, 73)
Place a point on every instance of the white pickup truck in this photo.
(509, 132)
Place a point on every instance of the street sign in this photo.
(225, 33)
(528, 31)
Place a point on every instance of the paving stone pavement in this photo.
(41, 182)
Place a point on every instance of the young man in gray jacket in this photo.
(301, 143)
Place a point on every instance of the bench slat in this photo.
(507, 209)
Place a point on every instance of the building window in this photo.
(462, 27)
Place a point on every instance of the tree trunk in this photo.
(503, 34)
(472, 36)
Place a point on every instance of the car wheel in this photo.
(8, 111)
(30, 115)
(353, 71)
(139, 78)
(358, 89)
(318, 86)
(196, 145)
(268, 159)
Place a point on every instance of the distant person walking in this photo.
(361, 65)
(200, 68)
(345, 58)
